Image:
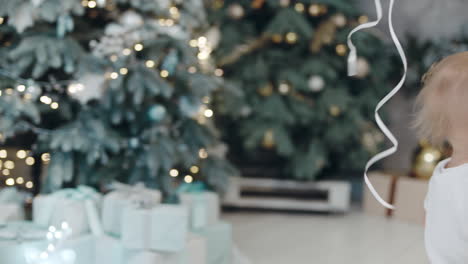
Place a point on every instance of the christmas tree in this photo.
(299, 109)
(110, 90)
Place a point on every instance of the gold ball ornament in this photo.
(363, 68)
(291, 37)
(334, 110)
(256, 4)
(425, 160)
(284, 87)
(341, 49)
(339, 20)
(363, 19)
(284, 3)
(268, 139)
(236, 11)
(299, 7)
(266, 90)
(277, 38)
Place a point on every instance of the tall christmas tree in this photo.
(299, 109)
(111, 89)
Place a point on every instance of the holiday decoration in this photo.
(353, 70)
(363, 68)
(110, 90)
(316, 83)
(425, 160)
(236, 11)
(296, 106)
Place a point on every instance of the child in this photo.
(442, 115)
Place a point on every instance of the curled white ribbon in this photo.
(352, 70)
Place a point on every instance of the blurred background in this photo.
(249, 99)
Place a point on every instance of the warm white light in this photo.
(202, 153)
(164, 73)
(45, 99)
(123, 71)
(50, 247)
(219, 72)
(150, 63)
(206, 99)
(114, 75)
(174, 173)
(126, 52)
(20, 180)
(169, 22)
(52, 229)
(203, 55)
(193, 43)
(114, 58)
(9, 164)
(54, 105)
(3, 154)
(45, 157)
(10, 182)
(75, 87)
(194, 169)
(429, 157)
(29, 184)
(30, 161)
(138, 47)
(21, 154)
(92, 4)
(188, 179)
(208, 113)
(6, 172)
(9, 91)
(21, 88)
(202, 41)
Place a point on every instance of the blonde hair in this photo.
(443, 98)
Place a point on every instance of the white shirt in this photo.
(446, 204)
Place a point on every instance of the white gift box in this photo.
(11, 212)
(11, 205)
(78, 207)
(162, 228)
(203, 207)
(124, 196)
(169, 228)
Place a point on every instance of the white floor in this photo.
(275, 238)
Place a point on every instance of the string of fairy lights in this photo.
(29, 89)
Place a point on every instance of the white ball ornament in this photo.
(236, 11)
(363, 68)
(316, 83)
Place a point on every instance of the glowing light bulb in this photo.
(174, 173)
(194, 169)
(21, 154)
(188, 179)
(30, 161)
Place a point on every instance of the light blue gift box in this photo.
(218, 242)
(18, 239)
(169, 228)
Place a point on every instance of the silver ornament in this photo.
(236, 11)
(316, 83)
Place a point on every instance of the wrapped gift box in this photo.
(18, 240)
(384, 184)
(124, 195)
(169, 228)
(111, 250)
(11, 205)
(409, 200)
(218, 242)
(78, 207)
(203, 208)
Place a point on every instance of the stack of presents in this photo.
(129, 225)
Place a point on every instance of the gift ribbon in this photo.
(198, 208)
(352, 70)
(90, 198)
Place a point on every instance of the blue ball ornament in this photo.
(157, 113)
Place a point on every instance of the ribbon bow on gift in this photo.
(197, 203)
(85, 194)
